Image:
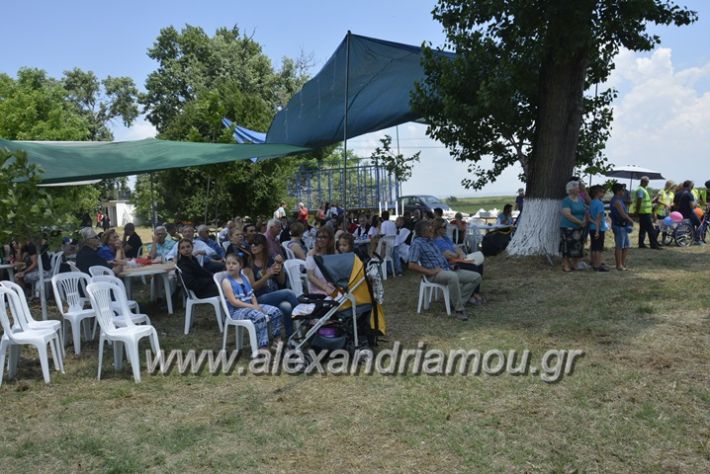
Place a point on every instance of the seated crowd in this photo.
(253, 255)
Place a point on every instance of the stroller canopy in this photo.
(346, 271)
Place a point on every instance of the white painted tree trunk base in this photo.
(538, 229)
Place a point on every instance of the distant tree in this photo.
(200, 80)
(190, 63)
(100, 102)
(396, 164)
(35, 107)
(516, 91)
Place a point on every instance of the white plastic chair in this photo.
(133, 307)
(295, 272)
(101, 294)
(454, 233)
(20, 334)
(52, 324)
(289, 253)
(55, 260)
(427, 290)
(192, 300)
(66, 291)
(385, 249)
(97, 270)
(238, 324)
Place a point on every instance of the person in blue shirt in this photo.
(111, 249)
(621, 222)
(597, 227)
(242, 303)
(574, 218)
(216, 262)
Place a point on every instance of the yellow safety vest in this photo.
(646, 204)
(665, 198)
(700, 195)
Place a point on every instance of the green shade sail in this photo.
(77, 161)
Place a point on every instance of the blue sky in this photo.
(662, 113)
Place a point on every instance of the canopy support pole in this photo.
(153, 216)
(345, 122)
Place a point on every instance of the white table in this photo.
(159, 269)
(10, 267)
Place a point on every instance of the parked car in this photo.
(423, 203)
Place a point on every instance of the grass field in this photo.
(472, 204)
(637, 401)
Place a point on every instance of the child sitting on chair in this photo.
(243, 305)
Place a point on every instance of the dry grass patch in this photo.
(637, 400)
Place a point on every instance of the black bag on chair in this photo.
(494, 243)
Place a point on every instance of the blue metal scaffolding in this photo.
(368, 187)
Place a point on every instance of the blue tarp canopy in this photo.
(381, 77)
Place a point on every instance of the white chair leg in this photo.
(76, 335)
(55, 355)
(43, 361)
(101, 355)
(60, 338)
(154, 343)
(224, 337)
(118, 354)
(447, 301)
(188, 317)
(132, 353)
(13, 361)
(252, 342)
(427, 297)
(3, 350)
(218, 315)
(422, 289)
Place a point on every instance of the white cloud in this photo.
(138, 131)
(662, 118)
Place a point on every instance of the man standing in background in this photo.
(644, 208)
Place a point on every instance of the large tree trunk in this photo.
(557, 128)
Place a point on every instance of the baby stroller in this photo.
(353, 319)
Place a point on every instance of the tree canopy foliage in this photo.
(76, 107)
(200, 80)
(490, 101)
